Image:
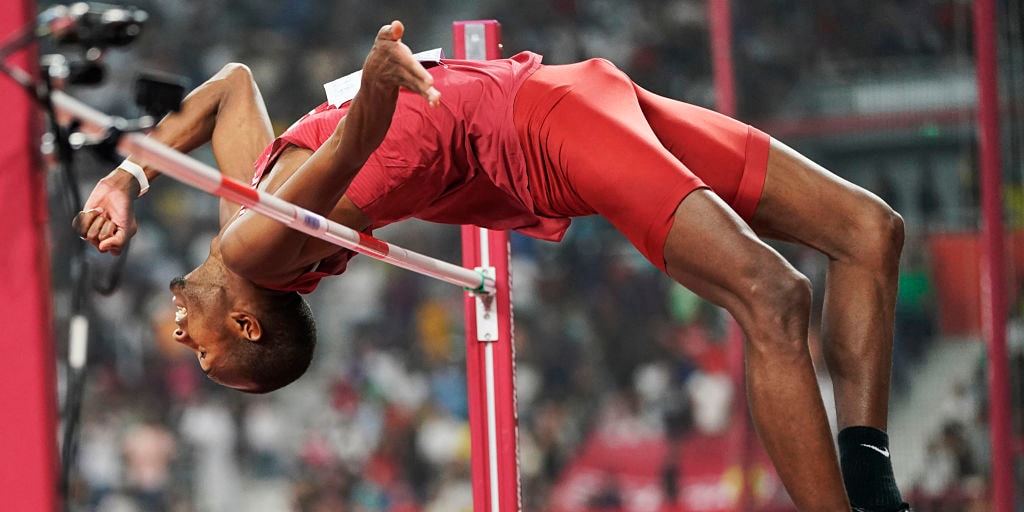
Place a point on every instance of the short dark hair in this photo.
(284, 351)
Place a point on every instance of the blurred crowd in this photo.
(602, 338)
(295, 47)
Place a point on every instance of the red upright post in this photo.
(993, 279)
(490, 354)
(720, 23)
(28, 433)
(724, 75)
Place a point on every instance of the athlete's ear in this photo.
(246, 325)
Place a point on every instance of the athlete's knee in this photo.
(877, 233)
(779, 302)
(783, 293)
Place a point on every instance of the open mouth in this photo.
(180, 315)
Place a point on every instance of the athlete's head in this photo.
(244, 336)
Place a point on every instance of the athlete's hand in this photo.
(390, 64)
(107, 220)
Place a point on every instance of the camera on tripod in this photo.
(91, 28)
(91, 25)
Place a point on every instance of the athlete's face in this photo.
(202, 320)
(198, 304)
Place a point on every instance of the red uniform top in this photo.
(514, 145)
(457, 163)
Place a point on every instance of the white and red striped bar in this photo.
(204, 177)
(490, 352)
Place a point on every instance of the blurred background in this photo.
(627, 393)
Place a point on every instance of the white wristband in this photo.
(140, 175)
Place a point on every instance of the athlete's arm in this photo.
(228, 106)
(267, 251)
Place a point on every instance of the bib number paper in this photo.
(344, 89)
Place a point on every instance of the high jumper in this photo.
(516, 144)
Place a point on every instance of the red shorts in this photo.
(596, 143)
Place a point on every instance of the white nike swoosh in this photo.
(883, 451)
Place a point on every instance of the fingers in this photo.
(106, 230)
(114, 243)
(399, 66)
(392, 31)
(100, 231)
(84, 220)
(417, 79)
(423, 83)
(397, 29)
(433, 96)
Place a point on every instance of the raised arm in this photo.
(388, 66)
(228, 110)
(253, 245)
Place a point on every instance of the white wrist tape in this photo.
(140, 175)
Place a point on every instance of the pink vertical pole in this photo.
(28, 433)
(993, 279)
(722, 68)
(490, 354)
(720, 22)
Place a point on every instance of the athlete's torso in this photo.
(457, 163)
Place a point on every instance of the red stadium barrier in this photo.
(28, 434)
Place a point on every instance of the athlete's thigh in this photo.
(592, 151)
(714, 253)
(805, 203)
(727, 155)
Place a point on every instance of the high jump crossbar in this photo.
(204, 177)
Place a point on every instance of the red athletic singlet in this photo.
(511, 147)
(457, 163)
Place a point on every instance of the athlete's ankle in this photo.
(867, 468)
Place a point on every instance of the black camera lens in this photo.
(91, 24)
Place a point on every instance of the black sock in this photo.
(867, 469)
